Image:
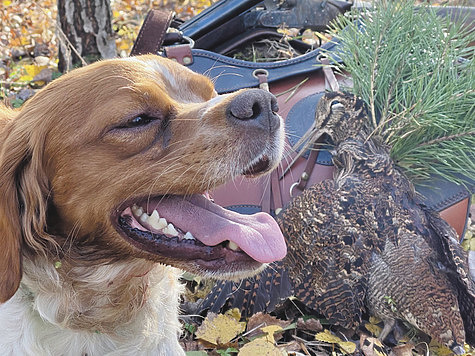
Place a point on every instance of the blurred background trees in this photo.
(85, 30)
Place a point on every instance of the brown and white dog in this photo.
(101, 181)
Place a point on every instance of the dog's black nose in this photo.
(254, 108)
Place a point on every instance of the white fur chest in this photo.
(48, 321)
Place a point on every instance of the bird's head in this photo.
(340, 115)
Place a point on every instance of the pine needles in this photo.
(416, 72)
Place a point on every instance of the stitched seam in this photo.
(451, 200)
(160, 39)
(141, 32)
(285, 63)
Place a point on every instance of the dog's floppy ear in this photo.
(23, 189)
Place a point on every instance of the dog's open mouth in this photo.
(261, 164)
(194, 228)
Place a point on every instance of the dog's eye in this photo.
(140, 120)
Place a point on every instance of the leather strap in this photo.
(276, 193)
(331, 83)
(305, 176)
(180, 53)
(152, 32)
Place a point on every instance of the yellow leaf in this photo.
(260, 347)
(25, 78)
(373, 328)
(24, 41)
(270, 330)
(326, 336)
(234, 313)
(347, 347)
(219, 329)
(374, 320)
(30, 71)
(371, 346)
(438, 349)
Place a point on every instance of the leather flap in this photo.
(231, 74)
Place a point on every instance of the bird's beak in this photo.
(306, 142)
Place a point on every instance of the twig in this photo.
(293, 89)
(60, 31)
(66, 39)
(446, 138)
(13, 84)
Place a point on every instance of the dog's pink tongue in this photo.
(257, 235)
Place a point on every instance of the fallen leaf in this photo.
(31, 70)
(292, 346)
(371, 346)
(46, 75)
(374, 329)
(219, 329)
(260, 347)
(196, 353)
(270, 330)
(402, 350)
(326, 336)
(259, 320)
(312, 325)
(234, 313)
(439, 349)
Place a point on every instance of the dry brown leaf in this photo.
(402, 350)
(218, 329)
(312, 325)
(292, 346)
(259, 320)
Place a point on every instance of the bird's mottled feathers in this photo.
(363, 242)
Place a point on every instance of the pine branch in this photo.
(416, 72)
(446, 138)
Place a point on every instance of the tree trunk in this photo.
(85, 32)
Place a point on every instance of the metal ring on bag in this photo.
(190, 41)
(292, 188)
(260, 71)
(319, 57)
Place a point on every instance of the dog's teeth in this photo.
(144, 217)
(171, 230)
(162, 223)
(137, 210)
(153, 219)
(188, 236)
(233, 246)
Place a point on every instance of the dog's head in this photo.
(111, 161)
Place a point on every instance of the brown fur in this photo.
(66, 166)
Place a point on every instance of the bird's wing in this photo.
(455, 262)
(262, 293)
(328, 256)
